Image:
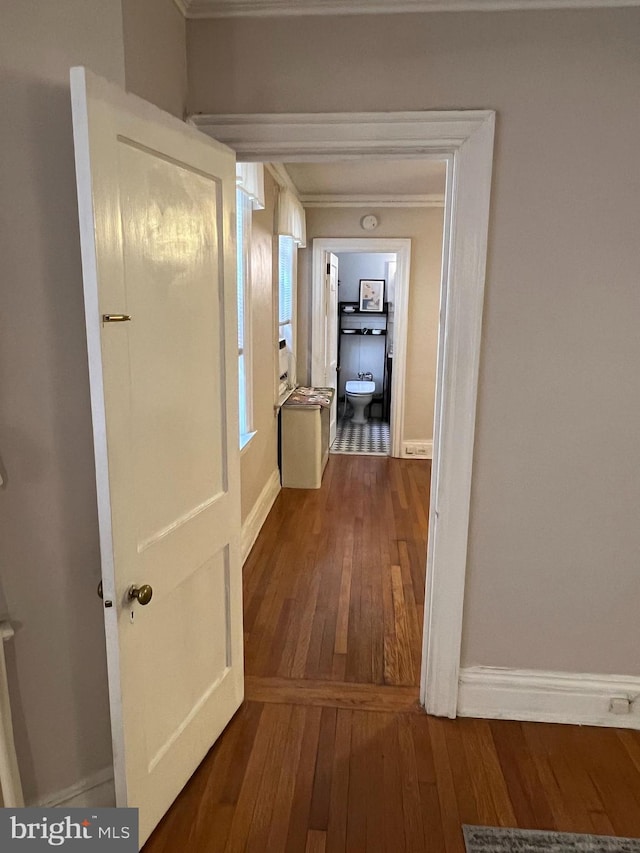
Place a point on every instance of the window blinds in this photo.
(243, 225)
(285, 279)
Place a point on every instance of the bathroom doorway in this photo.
(363, 346)
(376, 412)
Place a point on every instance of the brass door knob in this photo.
(143, 594)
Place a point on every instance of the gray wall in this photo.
(49, 536)
(155, 53)
(553, 580)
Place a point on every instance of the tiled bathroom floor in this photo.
(370, 439)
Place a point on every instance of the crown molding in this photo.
(280, 8)
(371, 200)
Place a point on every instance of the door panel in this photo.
(195, 625)
(176, 362)
(157, 218)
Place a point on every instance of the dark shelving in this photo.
(351, 332)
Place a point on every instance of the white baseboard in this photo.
(95, 791)
(417, 449)
(551, 697)
(258, 515)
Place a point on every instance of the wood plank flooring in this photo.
(330, 751)
(334, 588)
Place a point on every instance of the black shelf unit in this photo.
(383, 398)
(356, 310)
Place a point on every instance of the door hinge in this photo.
(328, 269)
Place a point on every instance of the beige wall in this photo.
(424, 228)
(553, 580)
(155, 53)
(259, 459)
(49, 537)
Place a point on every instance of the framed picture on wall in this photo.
(372, 294)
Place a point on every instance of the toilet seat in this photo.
(359, 387)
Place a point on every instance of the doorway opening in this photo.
(347, 344)
(364, 352)
(464, 138)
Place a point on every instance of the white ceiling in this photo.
(352, 183)
(271, 8)
(369, 177)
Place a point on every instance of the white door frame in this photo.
(402, 249)
(330, 294)
(466, 137)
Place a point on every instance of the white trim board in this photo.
(253, 523)
(550, 697)
(10, 782)
(387, 245)
(465, 139)
(95, 791)
(277, 8)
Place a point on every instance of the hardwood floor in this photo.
(330, 751)
(334, 588)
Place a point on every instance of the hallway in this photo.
(334, 587)
(330, 751)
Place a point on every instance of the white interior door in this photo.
(331, 335)
(156, 202)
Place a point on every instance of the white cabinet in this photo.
(304, 439)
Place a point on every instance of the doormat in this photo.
(493, 839)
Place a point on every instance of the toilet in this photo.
(359, 394)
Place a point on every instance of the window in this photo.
(292, 235)
(243, 243)
(287, 251)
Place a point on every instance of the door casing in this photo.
(330, 312)
(466, 138)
